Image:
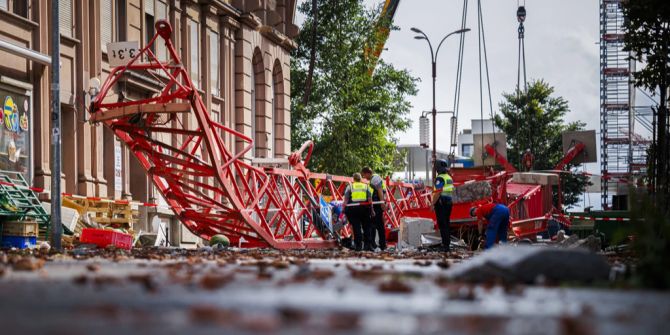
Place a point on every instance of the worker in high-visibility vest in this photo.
(442, 191)
(357, 198)
(378, 189)
(496, 217)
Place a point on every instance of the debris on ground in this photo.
(591, 242)
(529, 264)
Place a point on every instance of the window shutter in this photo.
(106, 26)
(214, 63)
(161, 10)
(65, 13)
(149, 7)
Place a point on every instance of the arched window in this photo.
(273, 120)
(278, 135)
(258, 105)
(253, 113)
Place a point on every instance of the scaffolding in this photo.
(623, 151)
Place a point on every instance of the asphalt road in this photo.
(251, 292)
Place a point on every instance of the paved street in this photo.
(173, 291)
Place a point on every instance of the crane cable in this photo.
(482, 45)
(521, 65)
(459, 79)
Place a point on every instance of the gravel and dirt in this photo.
(177, 291)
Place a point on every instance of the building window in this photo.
(466, 150)
(65, 17)
(111, 21)
(271, 141)
(253, 114)
(161, 13)
(194, 38)
(214, 70)
(18, 7)
(154, 10)
(15, 133)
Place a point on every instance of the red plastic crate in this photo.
(104, 238)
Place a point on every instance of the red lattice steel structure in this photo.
(211, 189)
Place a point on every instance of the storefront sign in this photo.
(120, 53)
(14, 133)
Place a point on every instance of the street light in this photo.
(433, 59)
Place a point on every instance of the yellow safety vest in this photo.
(448, 187)
(359, 192)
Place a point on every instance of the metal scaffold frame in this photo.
(622, 150)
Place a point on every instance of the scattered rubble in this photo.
(528, 264)
(591, 242)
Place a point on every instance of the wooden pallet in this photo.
(102, 214)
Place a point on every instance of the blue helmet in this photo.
(441, 166)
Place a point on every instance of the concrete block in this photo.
(411, 230)
(535, 178)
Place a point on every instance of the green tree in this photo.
(534, 120)
(351, 115)
(647, 37)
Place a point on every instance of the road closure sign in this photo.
(120, 53)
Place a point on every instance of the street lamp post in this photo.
(433, 59)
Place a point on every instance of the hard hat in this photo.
(441, 165)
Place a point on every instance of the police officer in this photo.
(356, 204)
(378, 189)
(442, 191)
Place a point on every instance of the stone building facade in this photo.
(237, 53)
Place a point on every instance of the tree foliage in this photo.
(647, 37)
(351, 116)
(534, 120)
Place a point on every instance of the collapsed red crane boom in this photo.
(211, 188)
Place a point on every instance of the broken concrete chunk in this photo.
(591, 243)
(471, 191)
(525, 264)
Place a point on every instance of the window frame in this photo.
(118, 8)
(215, 71)
(72, 21)
(11, 6)
(194, 46)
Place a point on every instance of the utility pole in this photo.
(433, 61)
(56, 226)
(434, 123)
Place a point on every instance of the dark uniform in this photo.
(359, 215)
(377, 231)
(445, 185)
(497, 219)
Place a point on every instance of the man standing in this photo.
(378, 189)
(358, 213)
(442, 191)
(497, 219)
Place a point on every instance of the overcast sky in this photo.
(560, 43)
(561, 48)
